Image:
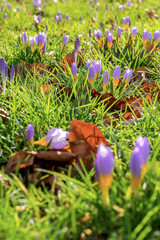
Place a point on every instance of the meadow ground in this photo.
(45, 194)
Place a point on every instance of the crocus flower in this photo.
(60, 20)
(57, 138)
(106, 32)
(41, 40)
(119, 31)
(8, 6)
(127, 76)
(74, 70)
(120, 7)
(24, 37)
(88, 63)
(39, 20)
(116, 76)
(31, 42)
(109, 40)
(17, 8)
(76, 48)
(56, 18)
(4, 73)
(5, 17)
(156, 37)
(66, 18)
(2, 66)
(134, 32)
(97, 34)
(89, 33)
(98, 66)
(91, 74)
(45, 5)
(44, 46)
(101, 26)
(103, 169)
(12, 73)
(145, 37)
(105, 79)
(128, 3)
(59, 13)
(30, 133)
(65, 40)
(2, 8)
(149, 36)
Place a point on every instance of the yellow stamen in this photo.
(41, 142)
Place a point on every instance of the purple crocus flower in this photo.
(105, 78)
(24, 37)
(128, 3)
(67, 17)
(56, 18)
(57, 138)
(2, 66)
(120, 7)
(143, 144)
(39, 18)
(74, 70)
(149, 36)
(101, 26)
(60, 19)
(30, 132)
(124, 20)
(136, 162)
(104, 161)
(41, 38)
(77, 45)
(106, 32)
(156, 35)
(88, 63)
(31, 41)
(134, 31)
(98, 66)
(97, 34)
(117, 73)
(119, 31)
(109, 40)
(89, 33)
(5, 16)
(9, 5)
(45, 5)
(128, 75)
(2, 8)
(17, 8)
(44, 46)
(145, 35)
(12, 73)
(65, 40)
(91, 74)
(6, 71)
(59, 13)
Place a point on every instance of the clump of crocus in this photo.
(91, 74)
(156, 37)
(41, 40)
(30, 133)
(105, 79)
(103, 170)
(5, 17)
(109, 40)
(37, 3)
(145, 37)
(74, 70)
(66, 18)
(138, 162)
(127, 76)
(116, 76)
(134, 32)
(65, 41)
(12, 73)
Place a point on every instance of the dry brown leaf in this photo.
(4, 115)
(84, 139)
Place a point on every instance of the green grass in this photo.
(77, 209)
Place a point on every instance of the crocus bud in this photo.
(39, 19)
(156, 37)
(134, 32)
(24, 37)
(88, 63)
(119, 31)
(66, 18)
(59, 13)
(145, 37)
(109, 40)
(89, 33)
(136, 168)
(41, 39)
(116, 76)
(97, 34)
(77, 45)
(5, 17)
(98, 66)
(105, 79)
(128, 3)
(103, 170)
(149, 36)
(56, 18)
(127, 76)
(74, 70)
(45, 5)
(91, 74)
(31, 42)
(44, 46)
(2, 66)
(65, 40)
(106, 32)
(60, 20)
(17, 8)
(2, 8)
(120, 7)
(30, 132)
(12, 73)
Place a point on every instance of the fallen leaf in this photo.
(4, 115)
